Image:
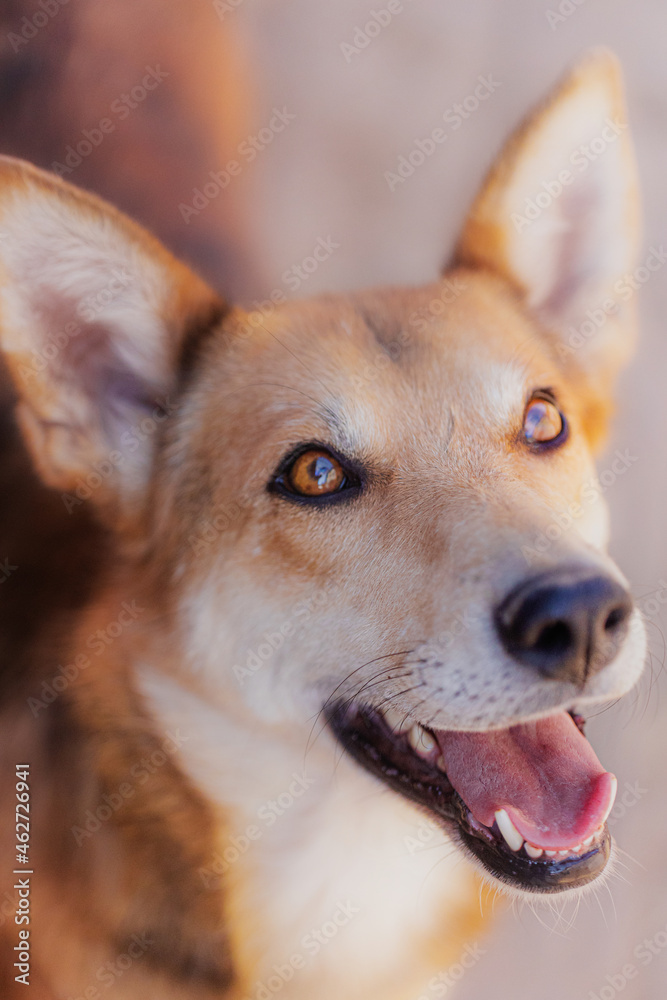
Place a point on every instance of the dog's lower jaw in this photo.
(331, 884)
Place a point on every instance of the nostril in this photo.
(565, 623)
(554, 639)
(615, 618)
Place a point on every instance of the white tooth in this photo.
(614, 785)
(588, 841)
(509, 831)
(440, 763)
(396, 720)
(533, 852)
(577, 848)
(420, 740)
(563, 854)
(551, 854)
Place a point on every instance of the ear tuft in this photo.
(94, 316)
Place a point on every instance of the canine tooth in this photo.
(577, 848)
(420, 740)
(588, 841)
(396, 720)
(512, 836)
(440, 763)
(533, 852)
(551, 854)
(614, 785)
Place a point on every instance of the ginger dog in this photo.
(330, 607)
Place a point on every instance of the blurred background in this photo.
(149, 102)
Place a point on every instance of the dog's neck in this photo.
(305, 838)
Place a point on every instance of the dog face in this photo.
(434, 524)
(392, 492)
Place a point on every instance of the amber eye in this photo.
(313, 473)
(543, 422)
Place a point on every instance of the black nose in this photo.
(567, 624)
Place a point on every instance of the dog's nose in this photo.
(567, 624)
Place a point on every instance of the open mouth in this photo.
(529, 802)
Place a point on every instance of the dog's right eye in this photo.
(543, 423)
(315, 474)
(312, 474)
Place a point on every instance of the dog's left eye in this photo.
(543, 423)
(315, 473)
(312, 474)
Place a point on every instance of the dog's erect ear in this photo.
(558, 217)
(95, 316)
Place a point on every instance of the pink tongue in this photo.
(545, 774)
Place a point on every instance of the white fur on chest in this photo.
(331, 881)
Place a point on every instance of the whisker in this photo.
(344, 681)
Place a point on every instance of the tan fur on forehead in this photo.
(335, 371)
